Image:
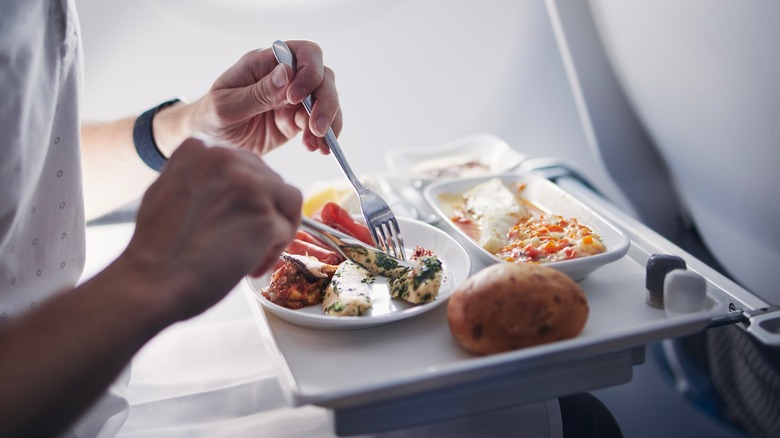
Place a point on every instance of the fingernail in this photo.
(279, 76)
(321, 125)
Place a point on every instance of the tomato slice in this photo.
(336, 217)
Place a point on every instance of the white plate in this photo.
(551, 197)
(488, 149)
(456, 264)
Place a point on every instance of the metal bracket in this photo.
(762, 323)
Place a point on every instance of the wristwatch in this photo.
(143, 137)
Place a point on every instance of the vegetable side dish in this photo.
(505, 224)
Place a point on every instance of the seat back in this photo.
(683, 102)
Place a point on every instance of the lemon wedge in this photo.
(320, 197)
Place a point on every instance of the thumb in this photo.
(269, 92)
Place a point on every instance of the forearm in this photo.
(56, 360)
(114, 174)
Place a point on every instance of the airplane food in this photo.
(314, 275)
(505, 224)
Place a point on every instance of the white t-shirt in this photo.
(41, 204)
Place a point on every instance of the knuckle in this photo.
(251, 55)
(219, 166)
(294, 194)
(261, 95)
(243, 185)
(328, 101)
(329, 73)
(314, 47)
(257, 94)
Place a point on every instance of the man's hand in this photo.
(213, 216)
(255, 104)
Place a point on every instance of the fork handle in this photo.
(335, 148)
(285, 56)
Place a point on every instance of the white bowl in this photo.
(486, 149)
(455, 261)
(543, 193)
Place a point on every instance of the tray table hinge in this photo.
(762, 323)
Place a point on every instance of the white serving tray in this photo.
(418, 358)
(385, 310)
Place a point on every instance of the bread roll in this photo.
(507, 306)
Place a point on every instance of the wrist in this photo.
(144, 137)
(172, 125)
(150, 291)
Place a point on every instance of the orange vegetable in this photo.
(587, 240)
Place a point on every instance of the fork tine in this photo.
(385, 241)
(381, 238)
(398, 241)
(390, 240)
(375, 236)
(387, 231)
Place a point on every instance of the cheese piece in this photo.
(375, 262)
(496, 209)
(348, 291)
(420, 284)
(493, 233)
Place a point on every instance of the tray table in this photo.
(413, 372)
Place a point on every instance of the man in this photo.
(213, 215)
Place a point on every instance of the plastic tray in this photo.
(415, 357)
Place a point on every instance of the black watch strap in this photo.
(143, 137)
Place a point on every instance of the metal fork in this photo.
(355, 250)
(379, 218)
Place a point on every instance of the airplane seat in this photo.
(687, 92)
(683, 100)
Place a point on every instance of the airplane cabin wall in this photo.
(409, 73)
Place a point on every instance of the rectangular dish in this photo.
(542, 193)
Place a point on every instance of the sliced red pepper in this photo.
(336, 217)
